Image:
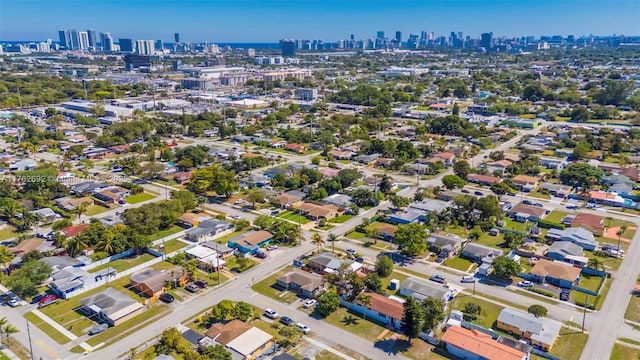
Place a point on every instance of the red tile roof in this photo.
(481, 344)
(72, 231)
(588, 220)
(385, 306)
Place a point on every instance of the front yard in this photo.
(570, 344)
(633, 309)
(488, 315)
(341, 219)
(293, 217)
(8, 232)
(174, 229)
(138, 198)
(124, 263)
(458, 263)
(556, 216)
(354, 323)
(267, 287)
(624, 352)
(171, 246)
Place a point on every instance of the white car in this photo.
(467, 279)
(239, 201)
(12, 303)
(305, 329)
(525, 284)
(271, 314)
(309, 303)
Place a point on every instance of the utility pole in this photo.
(584, 312)
(217, 262)
(29, 335)
(19, 97)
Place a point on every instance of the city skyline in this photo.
(262, 21)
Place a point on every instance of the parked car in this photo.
(275, 212)
(467, 279)
(351, 252)
(309, 303)
(201, 284)
(13, 302)
(98, 329)
(261, 255)
(465, 191)
(287, 321)
(236, 217)
(525, 283)
(272, 247)
(239, 201)
(305, 329)
(564, 296)
(478, 193)
(192, 288)
(166, 297)
(271, 314)
(47, 300)
(527, 202)
(538, 204)
(37, 298)
(438, 278)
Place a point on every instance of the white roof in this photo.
(213, 260)
(249, 341)
(201, 252)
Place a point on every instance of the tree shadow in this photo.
(392, 346)
(349, 320)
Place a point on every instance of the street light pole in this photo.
(29, 335)
(584, 312)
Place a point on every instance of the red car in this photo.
(47, 300)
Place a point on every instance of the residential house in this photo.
(120, 149)
(430, 205)
(382, 309)
(478, 253)
(384, 162)
(487, 180)
(70, 204)
(72, 231)
(525, 183)
(46, 215)
(87, 188)
(110, 306)
(23, 165)
(182, 177)
(407, 217)
(447, 158)
(152, 283)
(208, 259)
(286, 201)
(606, 198)
(301, 282)
(255, 180)
(593, 223)
(189, 220)
(325, 263)
(341, 155)
(557, 190)
(32, 244)
(555, 273)
(476, 345)
(523, 213)
(499, 166)
(251, 242)
(112, 194)
(421, 290)
(564, 251)
(541, 332)
(553, 163)
(316, 210)
(69, 279)
(340, 200)
(577, 235)
(296, 148)
(207, 230)
(223, 250)
(328, 172)
(366, 159)
(244, 341)
(58, 263)
(449, 242)
(387, 231)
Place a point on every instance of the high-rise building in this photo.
(83, 40)
(176, 37)
(288, 47)
(93, 43)
(126, 45)
(380, 35)
(159, 45)
(65, 39)
(486, 40)
(145, 47)
(106, 42)
(399, 37)
(75, 39)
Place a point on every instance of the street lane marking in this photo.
(47, 349)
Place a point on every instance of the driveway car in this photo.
(351, 252)
(201, 284)
(271, 314)
(36, 299)
(98, 329)
(287, 321)
(261, 255)
(438, 278)
(47, 300)
(239, 201)
(13, 302)
(465, 191)
(527, 202)
(305, 329)
(564, 296)
(309, 303)
(272, 247)
(525, 283)
(478, 193)
(467, 279)
(166, 297)
(192, 288)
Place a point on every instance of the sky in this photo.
(329, 20)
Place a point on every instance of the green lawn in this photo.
(8, 233)
(95, 210)
(590, 282)
(138, 198)
(293, 217)
(233, 265)
(517, 226)
(623, 352)
(124, 264)
(5, 357)
(323, 355)
(556, 216)
(539, 195)
(122, 330)
(164, 233)
(488, 240)
(171, 246)
(386, 281)
(352, 322)
(458, 263)
(341, 219)
(48, 329)
(633, 309)
(149, 353)
(570, 344)
(355, 235)
(267, 287)
(488, 315)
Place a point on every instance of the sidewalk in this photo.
(328, 348)
(10, 354)
(60, 328)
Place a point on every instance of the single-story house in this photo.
(316, 210)
(407, 217)
(189, 220)
(325, 263)
(208, 259)
(32, 244)
(182, 177)
(23, 165)
(341, 155)
(222, 249)
(560, 250)
(110, 306)
(450, 243)
(553, 163)
(251, 242)
(152, 283)
(340, 200)
(541, 332)
(112, 194)
(387, 231)
(577, 235)
(525, 183)
(487, 180)
(429, 205)
(478, 252)
(71, 231)
(301, 282)
(421, 290)
(297, 148)
(87, 188)
(382, 309)
(70, 204)
(557, 190)
(366, 159)
(447, 158)
(606, 198)
(208, 229)
(46, 215)
(499, 166)
(523, 212)
(591, 222)
(286, 201)
(241, 339)
(476, 345)
(555, 273)
(70, 279)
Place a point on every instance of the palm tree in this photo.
(317, 240)
(81, 209)
(5, 256)
(609, 220)
(365, 300)
(594, 263)
(75, 245)
(333, 238)
(27, 147)
(8, 329)
(620, 232)
(107, 242)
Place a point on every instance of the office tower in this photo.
(75, 39)
(93, 43)
(106, 42)
(176, 37)
(65, 39)
(380, 35)
(288, 47)
(485, 40)
(126, 45)
(352, 37)
(159, 45)
(83, 40)
(145, 47)
(399, 37)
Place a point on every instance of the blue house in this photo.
(250, 242)
(407, 217)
